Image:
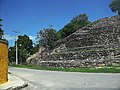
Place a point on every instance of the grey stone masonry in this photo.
(97, 44)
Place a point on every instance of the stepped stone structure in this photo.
(3, 61)
(97, 44)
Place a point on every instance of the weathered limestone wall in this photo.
(97, 44)
(101, 32)
(80, 57)
(3, 61)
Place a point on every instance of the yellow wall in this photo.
(3, 62)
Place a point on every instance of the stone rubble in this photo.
(95, 45)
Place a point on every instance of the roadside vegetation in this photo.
(85, 69)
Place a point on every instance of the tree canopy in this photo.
(25, 47)
(115, 6)
(1, 31)
(11, 54)
(46, 37)
(24, 42)
(76, 23)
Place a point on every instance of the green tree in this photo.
(1, 31)
(35, 48)
(23, 54)
(25, 47)
(11, 54)
(76, 23)
(46, 37)
(115, 6)
(25, 42)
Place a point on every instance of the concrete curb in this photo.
(14, 83)
(17, 87)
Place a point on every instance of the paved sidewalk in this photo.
(14, 83)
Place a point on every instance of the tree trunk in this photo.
(0, 36)
(118, 12)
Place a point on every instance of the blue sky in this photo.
(30, 16)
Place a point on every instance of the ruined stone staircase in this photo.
(97, 44)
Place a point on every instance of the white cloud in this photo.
(9, 37)
(32, 38)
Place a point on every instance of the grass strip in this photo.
(88, 70)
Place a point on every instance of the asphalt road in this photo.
(53, 80)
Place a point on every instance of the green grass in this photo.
(90, 70)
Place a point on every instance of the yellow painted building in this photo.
(3, 61)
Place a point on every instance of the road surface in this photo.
(53, 80)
